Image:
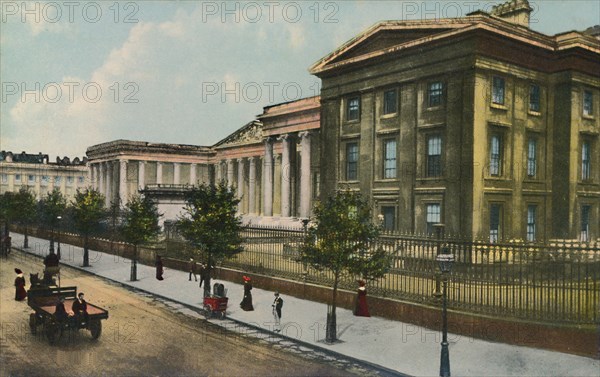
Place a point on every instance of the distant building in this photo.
(475, 122)
(40, 175)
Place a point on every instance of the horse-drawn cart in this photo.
(43, 301)
(216, 304)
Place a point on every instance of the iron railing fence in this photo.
(555, 282)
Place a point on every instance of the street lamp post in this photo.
(59, 218)
(445, 260)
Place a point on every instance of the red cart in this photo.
(215, 305)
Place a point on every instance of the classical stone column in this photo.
(268, 178)
(123, 181)
(193, 174)
(240, 184)
(109, 173)
(92, 169)
(252, 185)
(230, 172)
(158, 172)
(285, 175)
(305, 175)
(141, 175)
(218, 172)
(101, 178)
(176, 173)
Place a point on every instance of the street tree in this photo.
(211, 225)
(140, 225)
(341, 240)
(87, 211)
(7, 211)
(52, 205)
(26, 205)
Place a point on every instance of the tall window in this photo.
(435, 94)
(57, 180)
(531, 157)
(586, 163)
(17, 178)
(531, 212)
(434, 156)
(31, 179)
(495, 222)
(390, 101)
(352, 161)
(588, 103)
(389, 159)
(4, 178)
(353, 108)
(433, 217)
(498, 90)
(534, 98)
(496, 149)
(45, 180)
(389, 218)
(80, 180)
(584, 235)
(70, 180)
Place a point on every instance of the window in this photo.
(352, 161)
(31, 179)
(534, 98)
(389, 159)
(588, 103)
(586, 163)
(80, 180)
(70, 180)
(531, 157)
(496, 149)
(435, 93)
(17, 178)
(434, 156)
(390, 102)
(433, 217)
(45, 180)
(4, 178)
(389, 218)
(531, 211)
(57, 180)
(498, 90)
(495, 222)
(584, 235)
(353, 108)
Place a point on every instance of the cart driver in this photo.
(60, 313)
(80, 308)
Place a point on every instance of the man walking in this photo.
(277, 304)
(192, 270)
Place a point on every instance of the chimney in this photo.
(515, 11)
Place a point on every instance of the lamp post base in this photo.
(445, 361)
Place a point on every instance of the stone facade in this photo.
(476, 122)
(40, 175)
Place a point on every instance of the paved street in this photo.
(141, 337)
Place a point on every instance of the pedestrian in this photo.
(204, 278)
(246, 303)
(277, 304)
(20, 292)
(159, 268)
(192, 270)
(361, 309)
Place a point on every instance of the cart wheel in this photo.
(52, 332)
(207, 311)
(95, 328)
(223, 315)
(33, 323)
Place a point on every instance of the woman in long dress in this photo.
(20, 292)
(362, 309)
(246, 303)
(159, 268)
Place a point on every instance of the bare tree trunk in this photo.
(86, 253)
(331, 329)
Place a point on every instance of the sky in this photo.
(75, 74)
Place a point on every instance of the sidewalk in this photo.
(395, 345)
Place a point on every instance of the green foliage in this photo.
(51, 206)
(87, 209)
(210, 223)
(140, 220)
(341, 239)
(26, 205)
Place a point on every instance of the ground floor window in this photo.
(389, 218)
(433, 217)
(531, 212)
(584, 234)
(495, 222)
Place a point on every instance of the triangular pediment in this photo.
(251, 133)
(388, 35)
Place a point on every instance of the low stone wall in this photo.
(579, 340)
